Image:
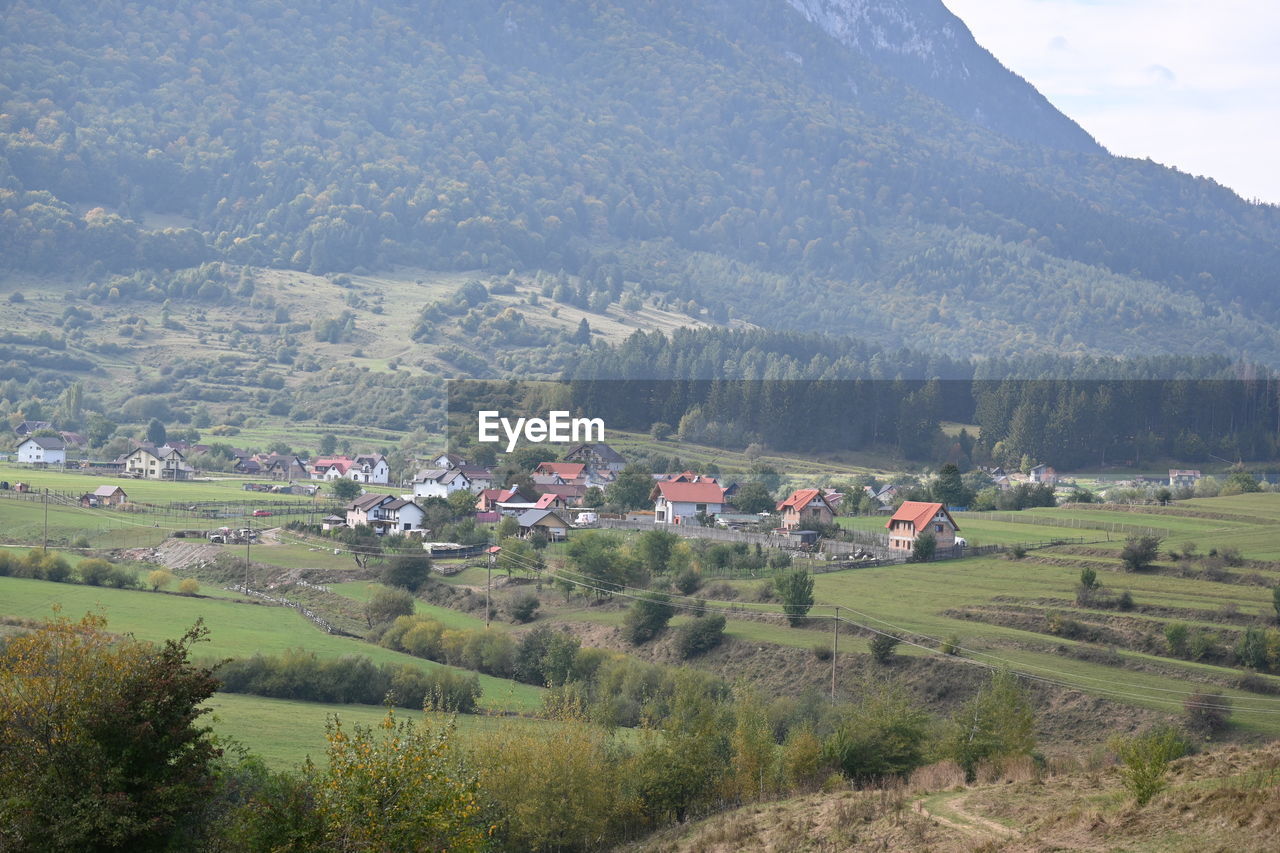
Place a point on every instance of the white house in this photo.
(385, 513)
(678, 502)
(440, 482)
(165, 463)
(370, 468)
(42, 450)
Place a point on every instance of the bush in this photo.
(924, 548)
(699, 636)
(1140, 553)
(189, 586)
(795, 588)
(646, 618)
(689, 581)
(386, 605)
(882, 646)
(523, 607)
(94, 571)
(1208, 713)
(409, 571)
(159, 579)
(1145, 759)
(822, 651)
(951, 645)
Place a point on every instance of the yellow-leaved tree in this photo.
(398, 786)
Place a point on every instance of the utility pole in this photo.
(45, 547)
(488, 590)
(247, 540)
(835, 650)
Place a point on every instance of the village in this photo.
(590, 486)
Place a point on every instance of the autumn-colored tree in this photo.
(399, 786)
(159, 579)
(100, 746)
(189, 586)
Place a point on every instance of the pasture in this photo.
(285, 732)
(236, 629)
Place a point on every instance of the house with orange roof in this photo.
(568, 472)
(678, 502)
(916, 517)
(331, 467)
(806, 508)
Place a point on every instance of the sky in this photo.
(1193, 84)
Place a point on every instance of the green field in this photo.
(284, 732)
(235, 629)
(212, 487)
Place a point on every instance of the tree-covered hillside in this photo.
(738, 159)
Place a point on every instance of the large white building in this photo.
(42, 450)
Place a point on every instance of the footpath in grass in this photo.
(235, 629)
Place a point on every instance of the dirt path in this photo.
(948, 809)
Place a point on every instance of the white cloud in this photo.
(1187, 83)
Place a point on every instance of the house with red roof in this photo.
(568, 472)
(806, 508)
(679, 502)
(916, 517)
(331, 467)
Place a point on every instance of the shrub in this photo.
(1016, 552)
(951, 645)
(159, 579)
(1208, 713)
(923, 549)
(883, 735)
(647, 618)
(1175, 638)
(524, 607)
(409, 571)
(189, 586)
(1145, 759)
(822, 651)
(386, 605)
(94, 571)
(1125, 601)
(882, 646)
(1140, 553)
(701, 635)
(688, 582)
(795, 588)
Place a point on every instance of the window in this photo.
(937, 528)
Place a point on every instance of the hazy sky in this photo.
(1193, 84)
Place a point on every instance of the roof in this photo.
(699, 493)
(533, 516)
(801, 498)
(919, 514)
(605, 452)
(48, 442)
(106, 491)
(548, 500)
(369, 501)
(567, 470)
(400, 503)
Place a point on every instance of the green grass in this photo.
(235, 629)
(285, 732)
(220, 487)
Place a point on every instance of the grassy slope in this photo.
(285, 732)
(236, 629)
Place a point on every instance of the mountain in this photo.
(924, 45)
(857, 168)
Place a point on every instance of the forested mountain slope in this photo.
(738, 158)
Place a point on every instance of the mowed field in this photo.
(236, 629)
(285, 733)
